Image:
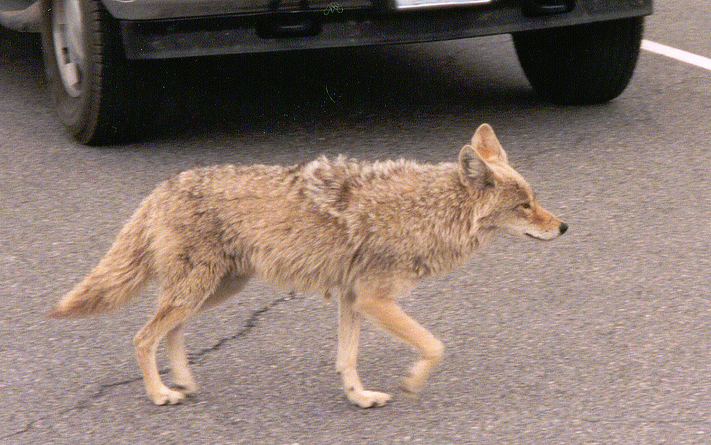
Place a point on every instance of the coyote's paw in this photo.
(368, 399)
(418, 376)
(411, 385)
(187, 388)
(185, 384)
(166, 396)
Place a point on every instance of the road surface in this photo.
(601, 337)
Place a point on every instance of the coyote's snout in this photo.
(367, 232)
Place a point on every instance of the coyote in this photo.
(366, 232)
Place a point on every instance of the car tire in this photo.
(582, 64)
(100, 96)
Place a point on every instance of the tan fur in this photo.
(366, 232)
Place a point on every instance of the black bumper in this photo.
(334, 27)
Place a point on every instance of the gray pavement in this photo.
(601, 337)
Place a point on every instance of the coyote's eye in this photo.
(525, 206)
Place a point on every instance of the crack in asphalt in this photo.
(193, 358)
(248, 326)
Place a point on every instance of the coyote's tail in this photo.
(119, 276)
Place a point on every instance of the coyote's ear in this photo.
(487, 145)
(474, 168)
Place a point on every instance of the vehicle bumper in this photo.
(234, 33)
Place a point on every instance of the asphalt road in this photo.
(601, 337)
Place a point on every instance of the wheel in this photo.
(100, 96)
(582, 64)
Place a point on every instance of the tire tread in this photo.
(582, 64)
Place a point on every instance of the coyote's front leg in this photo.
(348, 333)
(385, 311)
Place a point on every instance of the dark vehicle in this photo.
(572, 51)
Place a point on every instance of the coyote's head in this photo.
(509, 202)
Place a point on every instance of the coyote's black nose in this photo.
(563, 228)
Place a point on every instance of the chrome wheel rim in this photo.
(68, 36)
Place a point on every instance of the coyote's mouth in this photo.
(536, 237)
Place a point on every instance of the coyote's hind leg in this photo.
(180, 371)
(168, 318)
(179, 300)
(175, 343)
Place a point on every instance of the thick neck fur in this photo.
(419, 217)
